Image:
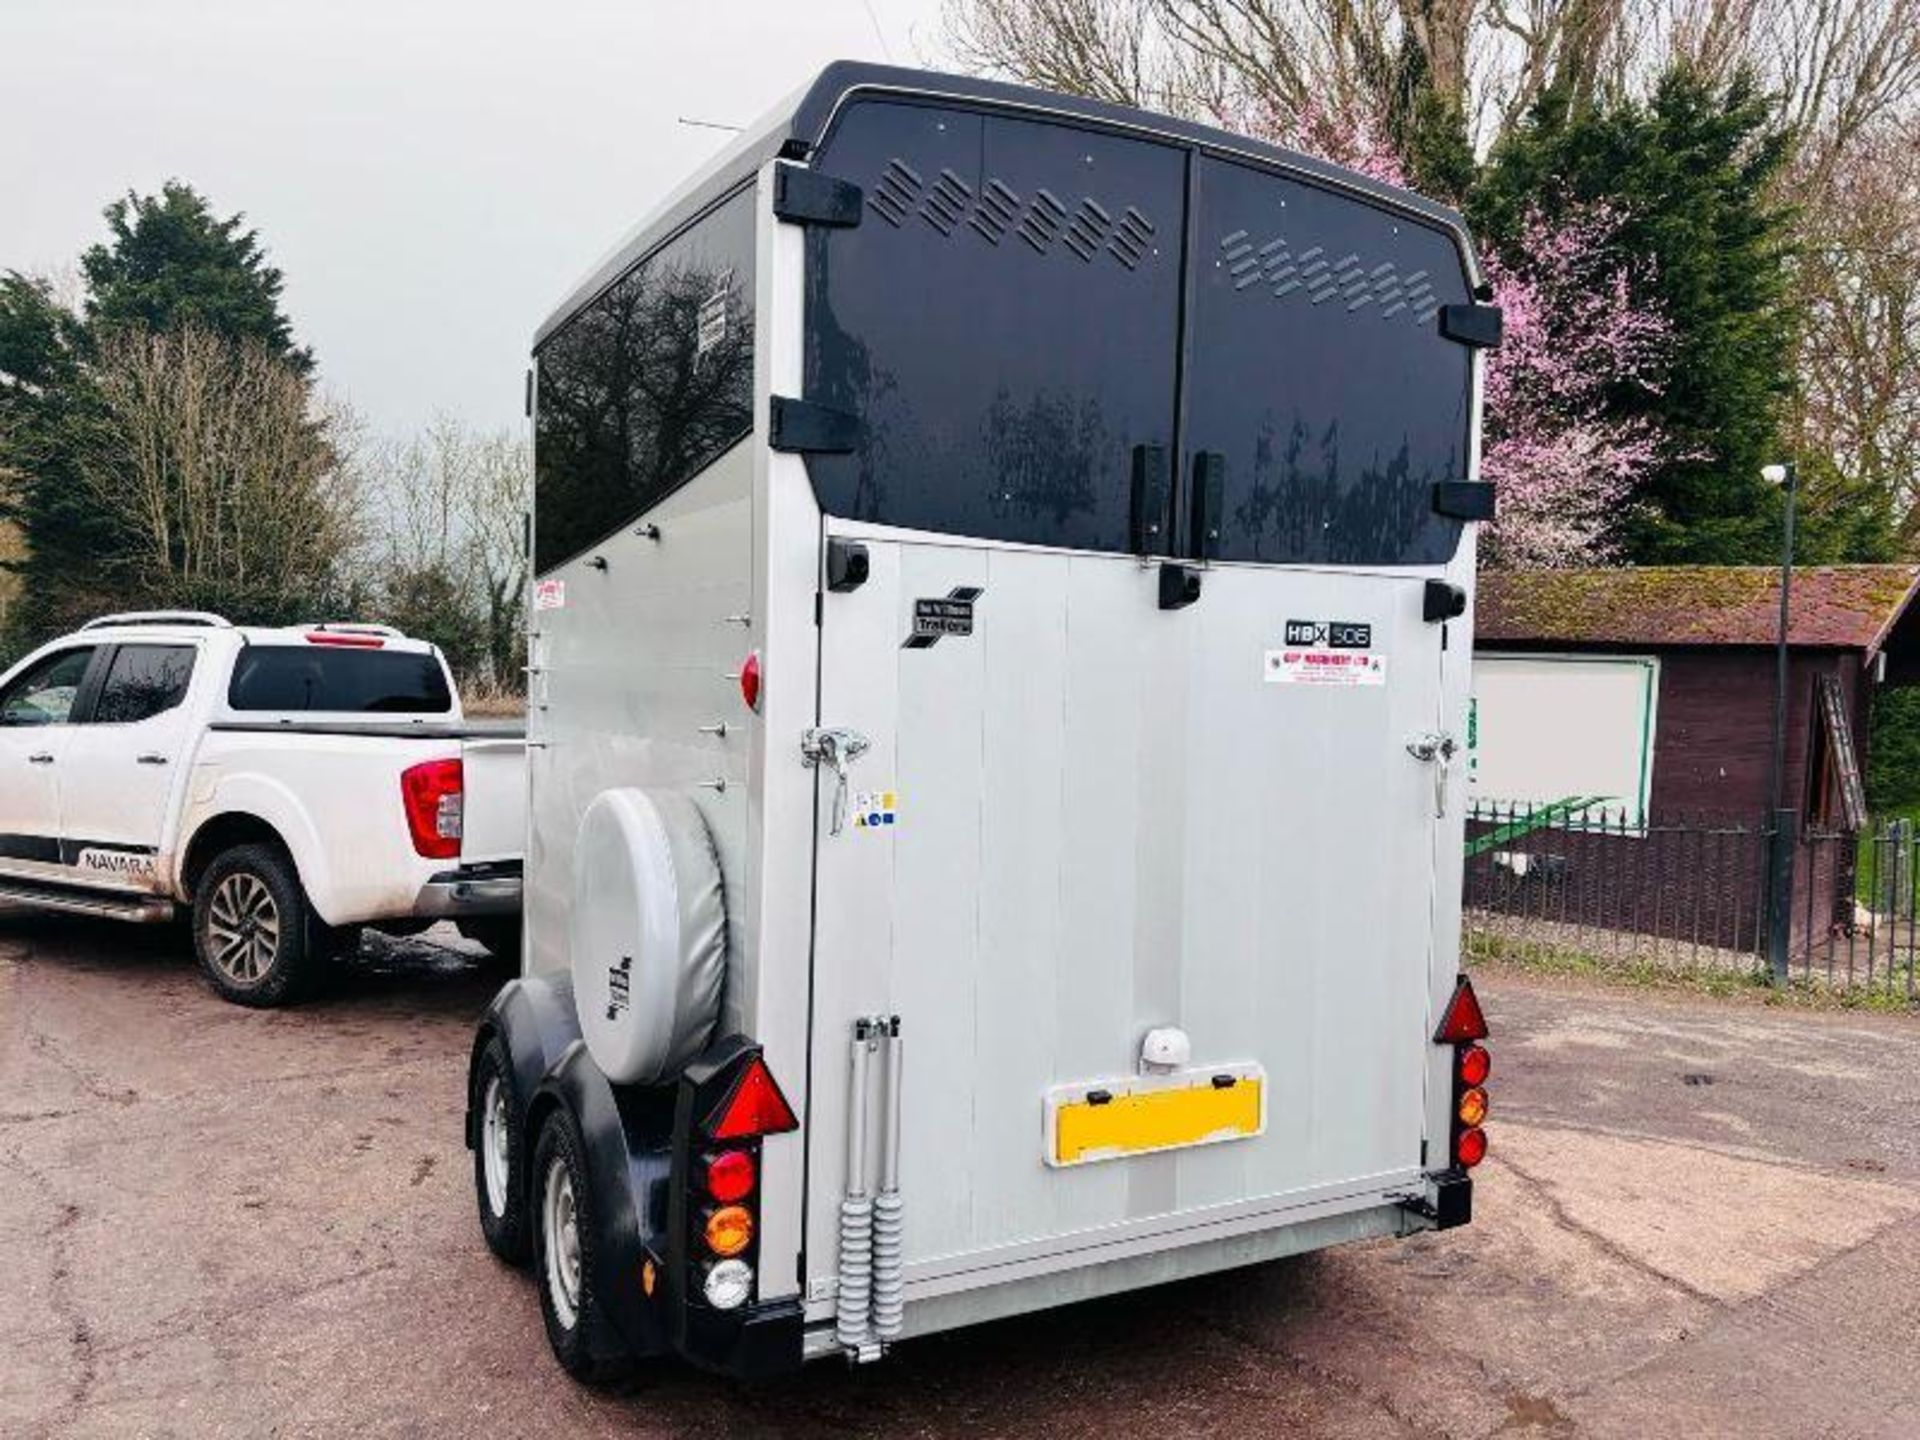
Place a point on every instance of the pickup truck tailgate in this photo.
(495, 826)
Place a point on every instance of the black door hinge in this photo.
(1464, 499)
(1479, 326)
(800, 425)
(806, 197)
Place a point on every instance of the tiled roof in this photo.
(1846, 607)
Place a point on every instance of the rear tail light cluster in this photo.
(434, 796)
(1463, 1027)
(725, 1219)
(727, 1184)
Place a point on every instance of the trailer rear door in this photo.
(1084, 816)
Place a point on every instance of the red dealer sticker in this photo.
(1325, 667)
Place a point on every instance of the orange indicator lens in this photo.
(729, 1230)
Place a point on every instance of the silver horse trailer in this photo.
(1002, 626)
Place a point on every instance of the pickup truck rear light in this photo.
(434, 794)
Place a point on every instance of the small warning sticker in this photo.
(550, 595)
(1325, 667)
(873, 809)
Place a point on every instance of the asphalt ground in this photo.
(1699, 1217)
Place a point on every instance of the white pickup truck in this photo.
(286, 785)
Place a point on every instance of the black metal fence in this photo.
(1695, 892)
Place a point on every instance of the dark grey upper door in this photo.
(1318, 376)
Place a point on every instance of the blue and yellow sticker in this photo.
(874, 808)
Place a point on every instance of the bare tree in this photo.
(222, 481)
(451, 505)
(1840, 65)
(1859, 276)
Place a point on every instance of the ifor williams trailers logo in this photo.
(934, 618)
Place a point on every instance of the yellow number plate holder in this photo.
(1142, 1114)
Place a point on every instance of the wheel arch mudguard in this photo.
(271, 803)
(533, 1017)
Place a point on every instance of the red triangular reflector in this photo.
(1464, 1020)
(756, 1107)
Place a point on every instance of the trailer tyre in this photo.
(253, 929)
(566, 1239)
(499, 1159)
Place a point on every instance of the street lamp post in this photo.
(1784, 476)
(1780, 877)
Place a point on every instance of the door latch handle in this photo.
(40, 757)
(150, 758)
(836, 747)
(1438, 750)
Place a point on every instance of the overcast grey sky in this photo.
(432, 175)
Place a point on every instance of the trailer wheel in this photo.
(566, 1237)
(499, 1164)
(252, 927)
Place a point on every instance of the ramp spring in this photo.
(856, 1272)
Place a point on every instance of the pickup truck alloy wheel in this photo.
(251, 927)
(244, 931)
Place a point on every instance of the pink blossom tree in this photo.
(1560, 442)
(1564, 452)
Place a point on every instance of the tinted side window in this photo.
(647, 386)
(1319, 373)
(45, 694)
(312, 677)
(1004, 321)
(143, 681)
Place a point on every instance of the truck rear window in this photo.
(339, 681)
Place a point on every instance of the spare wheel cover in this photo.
(648, 942)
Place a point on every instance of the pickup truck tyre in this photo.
(499, 1167)
(565, 1237)
(251, 927)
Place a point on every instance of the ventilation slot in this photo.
(892, 198)
(949, 200)
(998, 208)
(1129, 241)
(1347, 279)
(1040, 227)
(1089, 228)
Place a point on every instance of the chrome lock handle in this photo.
(1438, 750)
(837, 747)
